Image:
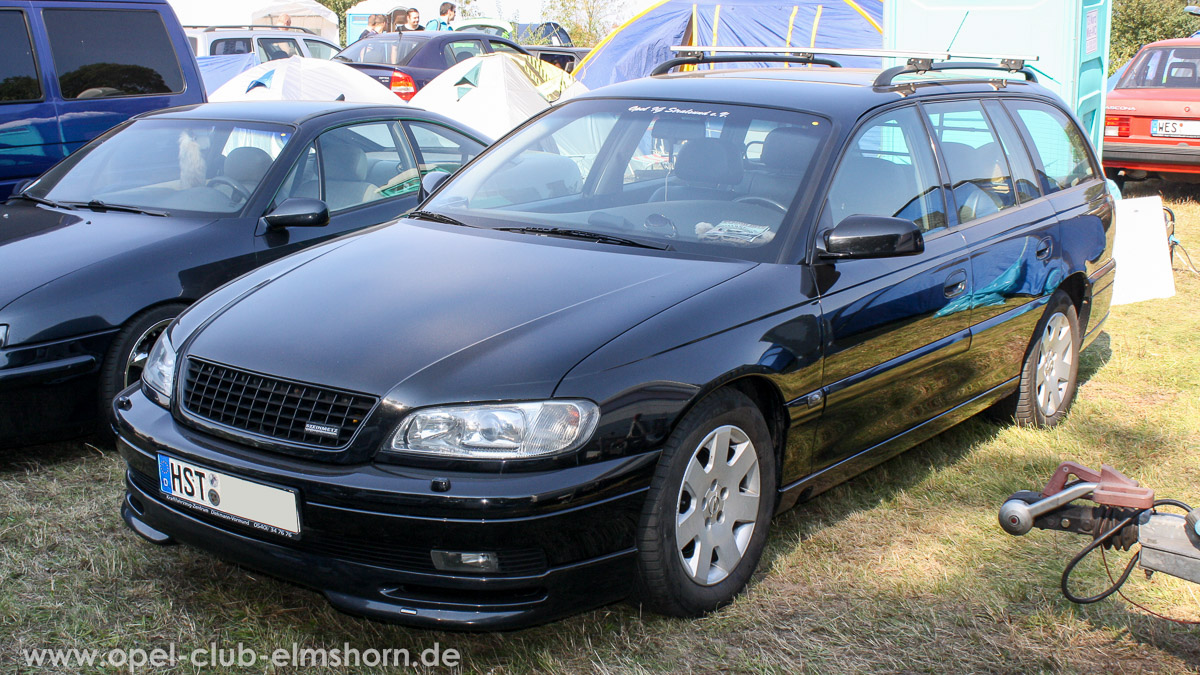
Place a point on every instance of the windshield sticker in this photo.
(734, 232)
(672, 110)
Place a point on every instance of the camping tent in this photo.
(305, 14)
(300, 79)
(494, 92)
(636, 47)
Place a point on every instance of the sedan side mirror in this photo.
(432, 181)
(298, 212)
(871, 237)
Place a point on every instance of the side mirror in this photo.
(871, 237)
(20, 186)
(298, 212)
(432, 181)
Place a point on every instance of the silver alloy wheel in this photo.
(135, 360)
(717, 505)
(1054, 364)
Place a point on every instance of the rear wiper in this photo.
(43, 201)
(598, 237)
(97, 205)
(437, 218)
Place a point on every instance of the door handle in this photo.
(1045, 246)
(956, 284)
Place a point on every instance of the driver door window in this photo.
(355, 165)
(891, 155)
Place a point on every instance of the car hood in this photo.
(441, 313)
(39, 245)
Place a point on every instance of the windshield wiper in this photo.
(97, 205)
(598, 237)
(43, 201)
(437, 218)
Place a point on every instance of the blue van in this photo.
(71, 70)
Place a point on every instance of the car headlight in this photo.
(497, 430)
(159, 373)
(3, 335)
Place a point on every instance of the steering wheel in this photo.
(765, 201)
(237, 188)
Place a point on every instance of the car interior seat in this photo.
(705, 168)
(876, 187)
(976, 173)
(247, 166)
(787, 153)
(1181, 74)
(345, 175)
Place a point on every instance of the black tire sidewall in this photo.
(663, 582)
(1028, 412)
(112, 373)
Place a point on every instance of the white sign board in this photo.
(1142, 252)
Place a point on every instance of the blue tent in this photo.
(635, 48)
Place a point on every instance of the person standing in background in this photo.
(413, 22)
(285, 20)
(447, 13)
(376, 24)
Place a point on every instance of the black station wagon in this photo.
(611, 348)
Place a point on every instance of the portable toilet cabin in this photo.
(1069, 37)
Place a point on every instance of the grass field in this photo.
(902, 569)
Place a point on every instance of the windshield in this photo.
(707, 178)
(1163, 68)
(392, 51)
(197, 166)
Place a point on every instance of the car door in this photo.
(1012, 233)
(366, 173)
(30, 138)
(895, 333)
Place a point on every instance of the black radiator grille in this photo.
(281, 409)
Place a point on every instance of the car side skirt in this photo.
(825, 479)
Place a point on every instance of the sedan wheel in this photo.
(130, 350)
(718, 505)
(1055, 364)
(708, 509)
(1049, 376)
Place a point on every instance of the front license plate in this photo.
(1178, 128)
(238, 500)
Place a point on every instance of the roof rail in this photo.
(253, 26)
(885, 78)
(918, 61)
(696, 59)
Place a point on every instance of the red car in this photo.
(1152, 122)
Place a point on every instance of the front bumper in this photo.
(49, 390)
(1152, 157)
(565, 538)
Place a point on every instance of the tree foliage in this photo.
(588, 21)
(340, 7)
(1137, 22)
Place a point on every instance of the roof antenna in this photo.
(959, 30)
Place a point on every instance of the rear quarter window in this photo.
(18, 69)
(1059, 149)
(95, 57)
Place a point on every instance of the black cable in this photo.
(1098, 542)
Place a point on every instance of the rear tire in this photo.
(705, 522)
(1050, 374)
(129, 351)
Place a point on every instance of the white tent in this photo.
(300, 79)
(494, 92)
(304, 13)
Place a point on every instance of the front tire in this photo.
(1050, 374)
(130, 348)
(705, 522)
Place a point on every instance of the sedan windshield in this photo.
(1163, 68)
(707, 178)
(168, 165)
(390, 50)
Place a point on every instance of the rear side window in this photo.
(979, 173)
(1059, 150)
(891, 155)
(320, 50)
(461, 51)
(231, 46)
(18, 70)
(96, 58)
